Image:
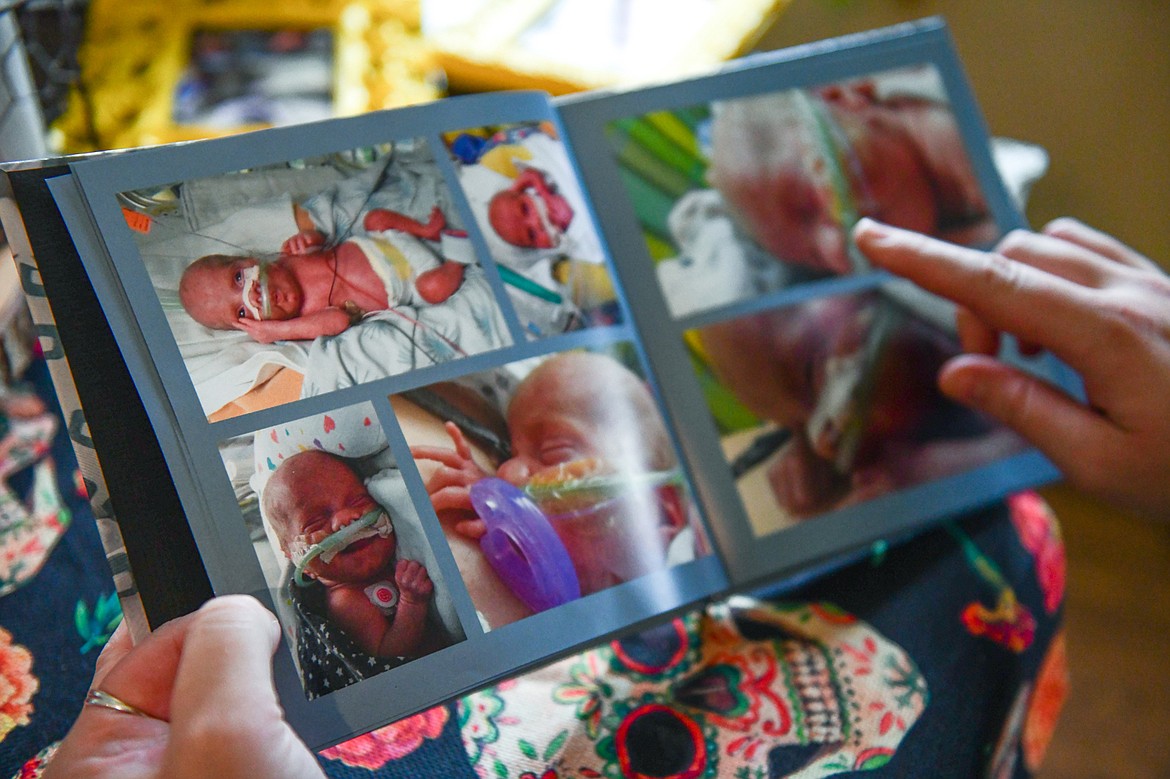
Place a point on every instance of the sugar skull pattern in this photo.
(741, 689)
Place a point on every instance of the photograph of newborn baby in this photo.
(355, 583)
(742, 197)
(838, 403)
(527, 203)
(297, 279)
(553, 478)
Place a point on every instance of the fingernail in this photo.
(962, 386)
(871, 228)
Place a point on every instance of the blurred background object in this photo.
(568, 45)
(149, 73)
(21, 121)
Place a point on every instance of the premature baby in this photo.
(378, 600)
(313, 289)
(580, 415)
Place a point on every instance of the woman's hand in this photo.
(204, 682)
(1096, 304)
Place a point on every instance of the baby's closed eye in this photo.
(557, 451)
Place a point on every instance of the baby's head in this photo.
(528, 218)
(578, 405)
(799, 168)
(588, 410)
(219, 290)
(311, 496)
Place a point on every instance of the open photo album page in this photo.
(459, 388)
(424, 430)
(807, 380)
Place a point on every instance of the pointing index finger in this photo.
(1006, 294)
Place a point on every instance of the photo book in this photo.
(459, 388)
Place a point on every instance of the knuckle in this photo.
(211, 740)
(1129, 322)
(1000, 274)
(1017, 401)
(1015, 241)
(1157, 285)
(1063, 225)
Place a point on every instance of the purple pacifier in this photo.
(522, 546)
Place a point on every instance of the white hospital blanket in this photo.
(387, 343)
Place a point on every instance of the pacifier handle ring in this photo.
(522, 546)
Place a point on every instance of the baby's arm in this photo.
(328, 321)
(304, 242)
(303, 218)
(370, 629)
(533, 178)
(449, 485)
(380, 219)
(308, 238)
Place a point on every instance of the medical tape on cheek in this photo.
(375, 522)
(844, 409)
(257, 276)
(839, 167)
(538, 201)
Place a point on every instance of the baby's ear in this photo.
(280, 537)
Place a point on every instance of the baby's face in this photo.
(799, 206)
(889, 176)
(576, 407)
(525, 219)
(217, 292)
(323, 498)
(557, 428)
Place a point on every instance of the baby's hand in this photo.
(560, 212)
(803, 483)
(382, 219)
(448, 486)
(414, 585)
(532, 178)
(435, 225)
(327, 321)
(304, 242)
(262, 331)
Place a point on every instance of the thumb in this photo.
(1054, 422)
(225, 717)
